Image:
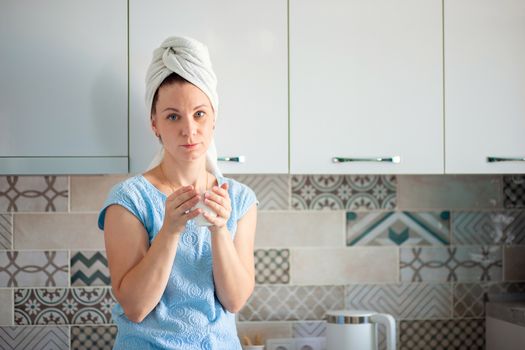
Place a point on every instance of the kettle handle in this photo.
(390, 324)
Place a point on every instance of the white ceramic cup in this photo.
(200, 220)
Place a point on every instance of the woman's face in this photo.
(184, 119)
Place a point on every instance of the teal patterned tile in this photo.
(34, 338)
(33, 193)
(33, 268)
(499, 227)
(449, 192)
(398, 228)
(442, 334)
(93, 337)
(350, 192)
(272, 266)
(514, 191)
(273, 191)
(455, 263)
(89, 268)
(63, 306)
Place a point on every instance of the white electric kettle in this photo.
(357, 330)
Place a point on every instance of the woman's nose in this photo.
(189, 127)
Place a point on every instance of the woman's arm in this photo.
(233, 265)
(139, 272)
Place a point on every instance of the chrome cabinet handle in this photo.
(394, 159)
(238, 159)
(505, 159)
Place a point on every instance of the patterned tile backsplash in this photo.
(430, 250)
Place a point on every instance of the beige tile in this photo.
(301, 229)
(33, 193)
(326, 266)
(514, 263)
(88, 193)
(6, 307)
(428, 192)
(57, 231)
(265, 330)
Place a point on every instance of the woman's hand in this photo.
(178, 209)
(219, 201)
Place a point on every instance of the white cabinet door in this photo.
(248, 48)
(63, 87)
(366, 82)
(484, 85)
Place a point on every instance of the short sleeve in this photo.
(246, 199)
(119, 194)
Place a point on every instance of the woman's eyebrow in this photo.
(171, 109)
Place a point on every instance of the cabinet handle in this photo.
(394, 159)
(238, 159)
(505, 159)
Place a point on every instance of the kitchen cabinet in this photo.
(484, 85)
(366, 81)
(63, 91)
(247, 41)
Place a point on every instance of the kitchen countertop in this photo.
(509, 311)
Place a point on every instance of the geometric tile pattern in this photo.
(33, 269)
(89, 268)
(6, 231)
(305, 329)
(33, 193)
(272, 266)
(466, 334)
(343, 192)
(272, 191)
(470, 298)
(403, 301)
(34, 338)
(504, 227)
(455, 263)
(514, 191)
(397, 228)
(291, 303)
(93, 337)
(63, 306)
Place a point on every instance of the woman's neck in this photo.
(177, 175)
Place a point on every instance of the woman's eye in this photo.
(172, 116)
(200, 114)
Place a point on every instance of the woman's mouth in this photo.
(190, 146)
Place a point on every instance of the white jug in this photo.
(357, 330)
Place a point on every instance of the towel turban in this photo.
(190, 59)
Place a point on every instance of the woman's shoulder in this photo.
(241, 195)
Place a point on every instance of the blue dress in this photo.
(189, 314)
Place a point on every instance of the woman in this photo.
(178, 284)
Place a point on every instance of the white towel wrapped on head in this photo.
(190, 59)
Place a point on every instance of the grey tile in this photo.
(442, 334)
(495, 227)
(89, 268)
(300, 229)
(6, 307)
(302, 329)
(398, 228)
(470, 298)
(57, 231)
(325, 266)
(63, 306)
(272, 266)
(456, 263)
(347, 192)
(33, 193)
(34, 337)
(6, 231)
(89, 192)
(514, 191)
(272, 191)
(403, 301)
(33, 269)
(93, 337)
(291, 303)
(514, 263)
(448, 192)
(264, 330)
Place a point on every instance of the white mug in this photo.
(200, 220)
